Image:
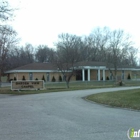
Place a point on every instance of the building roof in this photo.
(50, 67)
(37, 66)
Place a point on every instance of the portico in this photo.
(98, 72)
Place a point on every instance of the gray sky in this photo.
(40, 21)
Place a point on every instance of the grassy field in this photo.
(91, 84)
(125, 99)
(78, 85)
(61, 86)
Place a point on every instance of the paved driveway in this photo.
(63, 116)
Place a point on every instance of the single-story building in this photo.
(84, 71)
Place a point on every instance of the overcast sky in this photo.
(40, 21)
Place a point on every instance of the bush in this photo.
(43, 78)
(120, 83)
(23, 78)
(53, 79)
(15, 78)
(60, 78)
(36, 78)
(129, 77)
(107, 78)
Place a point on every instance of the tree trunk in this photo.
(67, 83)
(0, 78)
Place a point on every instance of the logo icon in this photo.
(131, 133)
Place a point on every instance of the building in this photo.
(84, 71)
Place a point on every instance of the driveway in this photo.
(64, 116)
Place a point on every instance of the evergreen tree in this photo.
(60, 78)
(129, 77)
(43, 78)
(107, 78)
(53, 79)
(15, 78)
(23, 78)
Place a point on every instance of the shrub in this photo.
(43, 78)
(60, 78)
(129, 77)
(23, 78)
(36, 78)
(107, 78)
(53, 79)
(120, 83)
(15, 78)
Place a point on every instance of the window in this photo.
(30, 76)
(48, 76)
(122, 74)
(111, 76)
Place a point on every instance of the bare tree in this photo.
(7, 41)
(67, 54)
(20, 56)
(100, 37)
(6, 12)
(132, 56)
(43, 53)
(119, 42)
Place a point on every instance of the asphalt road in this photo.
(63, 116)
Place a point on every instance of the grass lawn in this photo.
(7, 90)
(48, 90)
(61, 86)
(125, 99)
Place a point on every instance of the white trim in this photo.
(90, 67)
(99, 75)
(88, 74)
(83, 75)
(103, 74)
(37, 71)
(122, 69)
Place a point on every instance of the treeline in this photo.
(104, 45)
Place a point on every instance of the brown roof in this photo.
(51, 66)
(90, 63)
(37, 66)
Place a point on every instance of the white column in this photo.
(103, 75)
(88, 74)
(83, 74)
(99, 75)
(17, 75)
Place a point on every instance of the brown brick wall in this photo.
(39, 76)
(93, 74)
